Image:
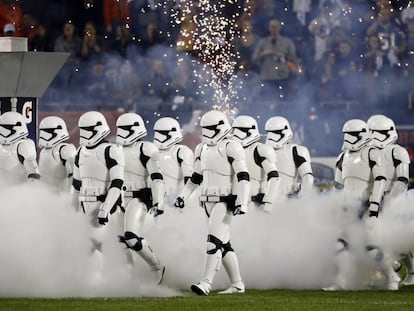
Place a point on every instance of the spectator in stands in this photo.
(144, 12)
(116, 13)
(372, 65)
(9, 30)
(159, 82)
(245, 44)
(29, 27)
(273, 55)
(97, 90)
(326, 79)
(123, 42)
(128, 87)
(347, 66)
(41, 41)
(265, 11)
(391, 38)
(68, 42)
(11, 13)
(188, 29)
(92, 44)
(150, 38)
(321, 28)
(390, 35)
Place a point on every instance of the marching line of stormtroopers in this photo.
(233, 170)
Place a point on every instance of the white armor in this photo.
(143, 188)
(220, 169)
(17, 152)
(396, 160)
(98, 174)
(360, 176)
(295, 171)
(261, 162)
(396, 163)
(56, 158)
(176, 160)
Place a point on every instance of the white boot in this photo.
(409, 278)
(152, 260)
(202, 288)
(393, 280)
(212, 266)
(231, 265)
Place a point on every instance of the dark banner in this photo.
(27, 106)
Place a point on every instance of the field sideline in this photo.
(252, 300)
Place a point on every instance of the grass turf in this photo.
(252, 300)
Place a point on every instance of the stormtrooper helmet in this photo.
(214, 127)
(52, 130)
(12, 127)
(167, 132)
(130, 127)
(383, 131)
(356, 134)
(245, 130)
(93, 128)
(278, 131)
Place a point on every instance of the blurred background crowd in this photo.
(316, 62)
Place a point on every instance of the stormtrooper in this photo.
(360, 178)
(295, 171)
(143, 188)
(18, 156)
(261, 162)
(220, 170)
(396, 163)
(176, 160)
(56, 158)
(98, 177)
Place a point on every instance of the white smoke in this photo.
(45, 247)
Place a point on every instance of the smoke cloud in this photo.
(46, 250)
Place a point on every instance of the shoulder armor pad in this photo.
(27, 149)
(267, 151)
(67, 151)
(234, 150)
(150, 150)
(401, 154)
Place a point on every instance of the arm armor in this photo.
(305, 170)
(67, 156)
(196, 177)
(154, 171)
(380, 181)
(271, 172)
(26, 151)
(115, 163)
(339, 181)
(185, 157)
(401, 161)
(242, 188)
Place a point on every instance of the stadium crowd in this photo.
(310, 57)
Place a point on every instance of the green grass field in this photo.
(252, 300)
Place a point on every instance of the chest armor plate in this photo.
(169, 164)
(92, 164)
(356, 165)
(285, 161)
(388, 163)
(10, 164)
(216, 170)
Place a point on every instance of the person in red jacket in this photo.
(115, 12)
